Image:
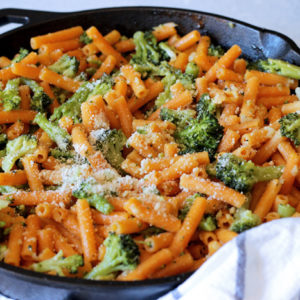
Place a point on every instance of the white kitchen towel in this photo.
(260, 264)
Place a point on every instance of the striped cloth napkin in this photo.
(260, 264)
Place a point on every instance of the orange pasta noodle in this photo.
(86, 230)
(28, 71)
(45, 240)
(66, 123)
(128, 226)
(189, 226)
(228, 141)
(13, 178)
(15, 130)
(201, 58)
(214, 189)
(14, 246)
(179, 265)
(148, 215)
(278, 159)
(4, 62)
(225, 235)
(248, 107)
(6, 74)
(227, 74)
(157, 242)
(63, 46)
(36, 197)
(274, 114)
(124, 46)
(291, 168)
(44, 210)
(183, 99)
(57, 36)
(29, 247)
(113, 36)
(41, 153)
(181, 61)
(24, 91)
(63, 82)
(149, 266)
(276, 100)
(103, 45)
(164, 31)
(171, 149)
(158, 164)
(102, 219)
(56, 55)
(153, 91)
(290, 107)
(121, 86)
(32, 173)
(30, 59)
(266, 201)
(268, 78)
(132, 168)
(270, 91)
(90, 49)
(267, 149)
(245, 152)
(140, 144)
(93, 113)
(201, 86)
(50, 163)
(188, 40)
(134, 79)
(225, 61)
(106, 67)
(239, 66)
(258, 136)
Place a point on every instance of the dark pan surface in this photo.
(256, 43)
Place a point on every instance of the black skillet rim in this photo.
(79, 283)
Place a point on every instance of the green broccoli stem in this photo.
(56, 133)
(267, 173)
(285, 210)
(284, 68)
(10, 95)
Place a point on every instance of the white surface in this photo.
(262, 264)
(279, 15)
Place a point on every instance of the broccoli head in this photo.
(56, 133)
(285, 210)
(111, 143)
(277, 66)
(192, 69)
(72, 107)
(208, 223)
(39, 100)
(241, 174)
(84, 38)
(167, 52)
(66, 65)
(215, 50)
(62, 155)
(10, 95)
(244, 219)
(206, 106)
(17, 148)
(121, 254)
(22, 54)
(86, 191)
(290, 127)
(59, 263)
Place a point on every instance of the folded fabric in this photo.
(260, 264)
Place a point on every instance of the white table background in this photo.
(278, 15)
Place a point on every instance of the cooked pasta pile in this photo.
(135, 158)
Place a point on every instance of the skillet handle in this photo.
(24, 16)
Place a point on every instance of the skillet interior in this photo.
(255, 42)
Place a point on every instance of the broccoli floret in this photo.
(187, 205)
(60, 94)
(146, 49)
(192, 69)
(22, 54)
(208, 223)
(111, 143)
(17, 148)
(59, 263)
(62, 155)
(181, 118)
(86, 191)
(215, 50)
(40, 100)
(56, 133)
(10, 95)
(206, 106)
(84, 38)
(167, 52)
(72, 108)
(66, 65)
(7, 189)
(244, 219)
(241, 174)
(278, 66)
(121, 254)
(3, 249)
(4, 203)
(290, 127)
(285, 210)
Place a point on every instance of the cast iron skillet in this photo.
(256, 43)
